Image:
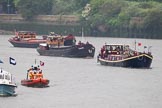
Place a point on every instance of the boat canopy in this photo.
(116, 47)
(55, 40)
(59, 40)
(5, 77)
(26, 34)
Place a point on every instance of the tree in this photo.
(106, 12)
(68, 6)
(153, 22)
(7, 6)
(30, 8)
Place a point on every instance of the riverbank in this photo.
(42, 19)
(4, 32)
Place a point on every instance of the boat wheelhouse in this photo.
(7, 84)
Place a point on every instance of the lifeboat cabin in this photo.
(25, 35)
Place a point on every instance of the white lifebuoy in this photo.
(90, 51)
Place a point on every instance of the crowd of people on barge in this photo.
(116, 52)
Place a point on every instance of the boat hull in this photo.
(69, 51)
(26, 44)
(35, 82)
(141, 61)
(7, 90)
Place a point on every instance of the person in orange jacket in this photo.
(31, 76)
(40, 75)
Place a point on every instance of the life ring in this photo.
(140, 58)
(90, 51)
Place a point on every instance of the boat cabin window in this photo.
(7, 77)
(1, 76)
(114, 47)
(127, 47)
(55, 40)
(35, 68)
(27, 34)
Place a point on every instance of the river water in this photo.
(83, 83)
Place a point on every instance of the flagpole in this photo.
(82, 33)
(135, 45)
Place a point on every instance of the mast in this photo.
(82, 34)
(35, 61)
(135, 45)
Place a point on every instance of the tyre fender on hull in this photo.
(140, 58)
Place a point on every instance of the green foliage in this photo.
(16, 2)
(106, 12)
(1, 1)
(154, 18)
(68, 6)
(145, 0)
(7, 6)
(135, 16)
(31, 8)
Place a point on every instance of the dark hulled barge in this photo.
(65, 46)
(123, 56)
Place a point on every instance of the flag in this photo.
(16, 33)
(12, 61)
(41, 63)
(139, 44)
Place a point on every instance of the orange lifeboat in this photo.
(27, 39)
(35, 78)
